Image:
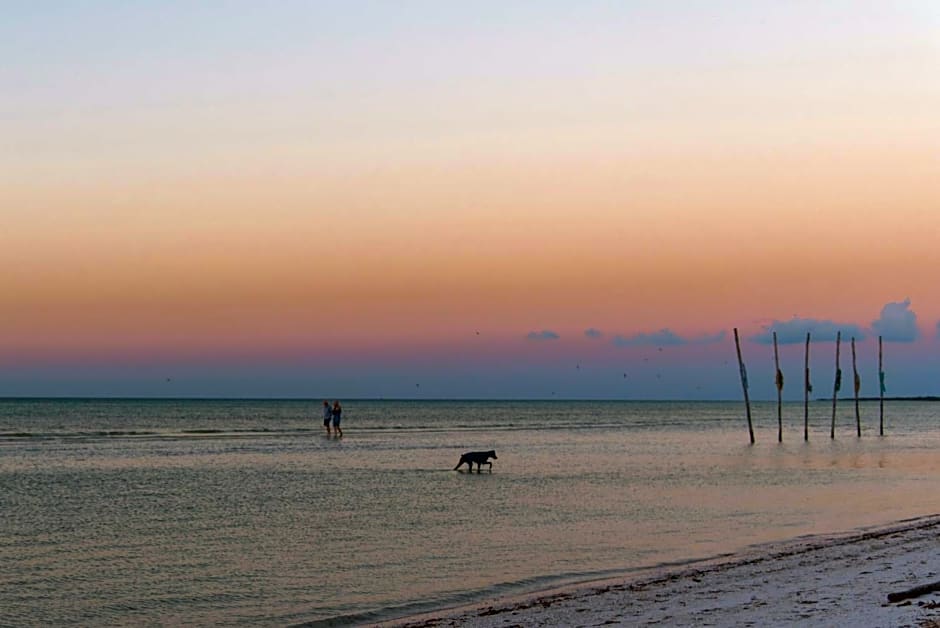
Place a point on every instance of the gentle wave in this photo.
(236, 432)
(518, 588)
(464, 598)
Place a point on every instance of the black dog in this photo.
(479, 457)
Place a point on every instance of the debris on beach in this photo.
(917, 591)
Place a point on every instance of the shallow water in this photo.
(232, 512)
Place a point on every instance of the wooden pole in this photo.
(747, 400)
(807, 388)
(778, 380)
(857, 385)
(881, 392)
(835, 387)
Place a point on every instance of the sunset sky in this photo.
(466, 199)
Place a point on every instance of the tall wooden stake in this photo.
(857, 384)
(807, 388)
(881, 392)
(747, 399)
(778, 380)
(836, 387)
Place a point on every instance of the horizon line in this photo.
(440, 399)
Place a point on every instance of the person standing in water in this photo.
(327, 416)
(337, 417)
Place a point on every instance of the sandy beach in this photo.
(836, 580)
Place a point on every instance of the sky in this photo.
(466, 200)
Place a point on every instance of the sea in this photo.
(245, 512)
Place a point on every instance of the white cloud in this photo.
(794, 331)
(897, 323)
(665, 337)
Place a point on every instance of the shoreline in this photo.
(831, 579)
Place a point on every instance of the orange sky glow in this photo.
(430, 207)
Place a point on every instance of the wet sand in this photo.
(836, 580)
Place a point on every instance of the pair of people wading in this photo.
(332, 415)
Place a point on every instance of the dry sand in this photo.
(839, 580)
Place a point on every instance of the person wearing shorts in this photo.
(327, 416)
(337, 417)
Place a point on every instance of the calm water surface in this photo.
(243, 512)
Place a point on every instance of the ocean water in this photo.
(115, 512)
